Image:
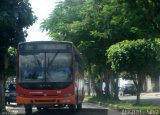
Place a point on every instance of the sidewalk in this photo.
(151, 94)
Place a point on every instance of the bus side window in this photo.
(79, 64)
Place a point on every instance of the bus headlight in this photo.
(23, 95)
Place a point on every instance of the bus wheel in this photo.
(72, 106)
(79, 106)
(28, 109)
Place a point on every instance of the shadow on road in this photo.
(69, 112)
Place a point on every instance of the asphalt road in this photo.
(88, 109)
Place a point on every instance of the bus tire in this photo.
(28, 109)
(79, 106)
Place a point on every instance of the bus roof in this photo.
(45, 45)
(45, 42)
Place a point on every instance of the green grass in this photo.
(123, 104)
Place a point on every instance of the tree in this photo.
(139, 58)
(142, 18)
(15, 17)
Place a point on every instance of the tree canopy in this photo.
(98, 24)
(137, 56)
(15, 17)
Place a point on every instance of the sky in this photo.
(42, 9)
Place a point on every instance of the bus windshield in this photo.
(36, 67)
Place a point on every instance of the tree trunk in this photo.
(2, 79)
(98, 88)
(88, 86)
(107, 82)
(139, 85)
(107, 92)
(2, 99)
(138, 97)
(116, 88)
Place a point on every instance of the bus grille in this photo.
(43, 95)
(48, 101)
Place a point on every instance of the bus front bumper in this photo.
(44, 100)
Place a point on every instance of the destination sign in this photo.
(44, 46)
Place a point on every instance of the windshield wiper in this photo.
(52, 60)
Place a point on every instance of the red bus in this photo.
(49, 74)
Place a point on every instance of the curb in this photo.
(127, 111)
